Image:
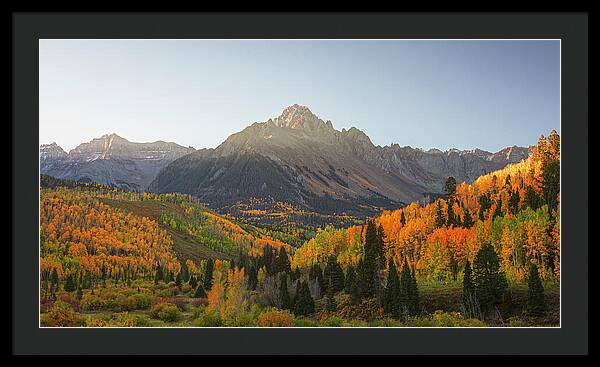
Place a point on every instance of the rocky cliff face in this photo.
(301, 159)
(111, 160)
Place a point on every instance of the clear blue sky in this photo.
(427, 94)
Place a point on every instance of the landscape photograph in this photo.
(299, 183)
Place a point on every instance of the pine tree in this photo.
(468, 219)
(304, 303)
(498, 210)
(453, 265)
(200, 292)
(470, 303)
(54, 281)
(79, 293)
(283, 262)
(392, 300)
(330, 305)
(405, 286)
(536, 303)
(208, 274)
(489, 282)
(69, 284)
(450, 189)
(551, 183)
(185, 274)
(284, 296)
(159, 276)
(368, 266)
(350, 280)
(193, 282)
(439, 216)
(413, 295)
(317, 273)
(179, 280)
(333, 275)
(252, 276)
(402, 218)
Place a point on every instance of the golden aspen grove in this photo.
(485, 253)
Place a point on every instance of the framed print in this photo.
(376, 183)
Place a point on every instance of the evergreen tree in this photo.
(470, 303)
(208, 274)
(467, 282)
(179, 280)
(453, 265)
(69, 284)
(551, 183)
(507, 303)
(193, 282)
(513, 203)
(284, 296)
(333, 275)
(330, 305)
(368, 266)
(450, 187)
(450, 190)
(485, 203)
(489, 282)
(439, 216)
(317, 273)
(268, 260)
(305, 304)
(498, 210)
(283, 262)
(402, 218)
(531, 199)
(159, 276)
(200, 292)
(414, 305)
(79, 293)
(468, 220)
(350, 279)
(185, 274)
(536, 303)
(252, 276)
(54, 281)
(393, 299)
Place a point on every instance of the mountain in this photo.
(111, 160)
(300, 159)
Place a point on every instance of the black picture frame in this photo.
(570, 338)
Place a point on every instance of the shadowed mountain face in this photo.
(111, 160)
(300, 159)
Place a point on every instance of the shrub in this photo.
(61, 314)
(445, 319)
(276, 318)
(357, 323)
(68, 298)
(138, 301)
(333, 321)
(185, 288)
(165, 312)
(181, 303)
(92, 322)
(197, 302)
(208, 319)
(387, 322)
(305, 323)
(516, 322)
(125, 319)
(92, 302)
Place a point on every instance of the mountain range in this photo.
(111, 160)
(299, 159)
(294, 158)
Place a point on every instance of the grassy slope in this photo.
(183, 245)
